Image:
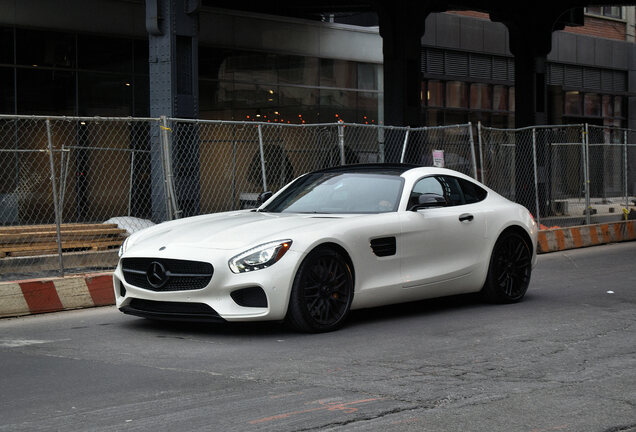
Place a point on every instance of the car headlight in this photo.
(122, 248)
(259, 257)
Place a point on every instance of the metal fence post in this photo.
(536, 180)
(130, 183)
(625, 170)
(472, 149)
(481, 154)
(406, 141)
(260, 146)
(171, 199)
(63, 172)
(55, 202)
(341, 142)
(586, 173)
(381, 143)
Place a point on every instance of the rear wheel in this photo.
(510, 269)
(322, 292)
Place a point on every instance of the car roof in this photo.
(376, 168)
(397, 169)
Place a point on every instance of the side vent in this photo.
(384, 246)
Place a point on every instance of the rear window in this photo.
(472, 192)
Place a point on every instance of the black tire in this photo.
(322, 292)
(510, 269)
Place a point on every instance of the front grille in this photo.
(159, 274)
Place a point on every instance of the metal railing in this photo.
(65, 176)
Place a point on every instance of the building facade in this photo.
(269, 68)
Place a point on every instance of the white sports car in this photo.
(331, 241)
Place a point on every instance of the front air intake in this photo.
(250, 297)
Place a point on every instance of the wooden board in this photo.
(46, 236)
(30, 240)
(39, 249)
(63, 227)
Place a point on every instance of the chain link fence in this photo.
(75, 187)
(581, 172)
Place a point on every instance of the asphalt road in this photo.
(562, 360)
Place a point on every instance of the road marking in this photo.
(326, 406)
(15, 343)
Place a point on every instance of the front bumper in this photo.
(215, 301)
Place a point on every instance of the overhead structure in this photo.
(173, 29)
(401, 25)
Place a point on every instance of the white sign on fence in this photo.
(438, 158)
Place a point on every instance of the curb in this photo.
(560, 239)
(36, 296)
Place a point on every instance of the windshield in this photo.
(337, 192)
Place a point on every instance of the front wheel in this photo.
(510, 269)
(322, 292)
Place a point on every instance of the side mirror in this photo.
(262, 197)
(429, 200)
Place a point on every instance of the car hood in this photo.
(231, 230)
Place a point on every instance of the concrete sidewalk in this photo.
(33, 296)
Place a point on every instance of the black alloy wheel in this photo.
(322, 292)
(510, 269)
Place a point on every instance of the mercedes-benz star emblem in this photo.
(156, 274)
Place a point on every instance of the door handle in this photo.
(466, 217)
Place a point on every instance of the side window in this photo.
(472, 192)
(425, 185)
(452, 190)
(428, 185)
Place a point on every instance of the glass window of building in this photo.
(6, 45)
(511, 99)
(42, 91)
(338, 73)
(140, 56)
(297, 70)
(456, 94)
(500, 98)
(607, 11)
(250, 67)
(480, 96)
(608, 106)
(573, 102)
(105, 94)
(104, 53)
(287, 89)
(367, 76)
(299, 105)
(435, 93)
(367, 108)
(618, 106)
(591, 105)
(7, 99)
(338, 105)
(141, 94)
(215, 99)
(45, 48)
